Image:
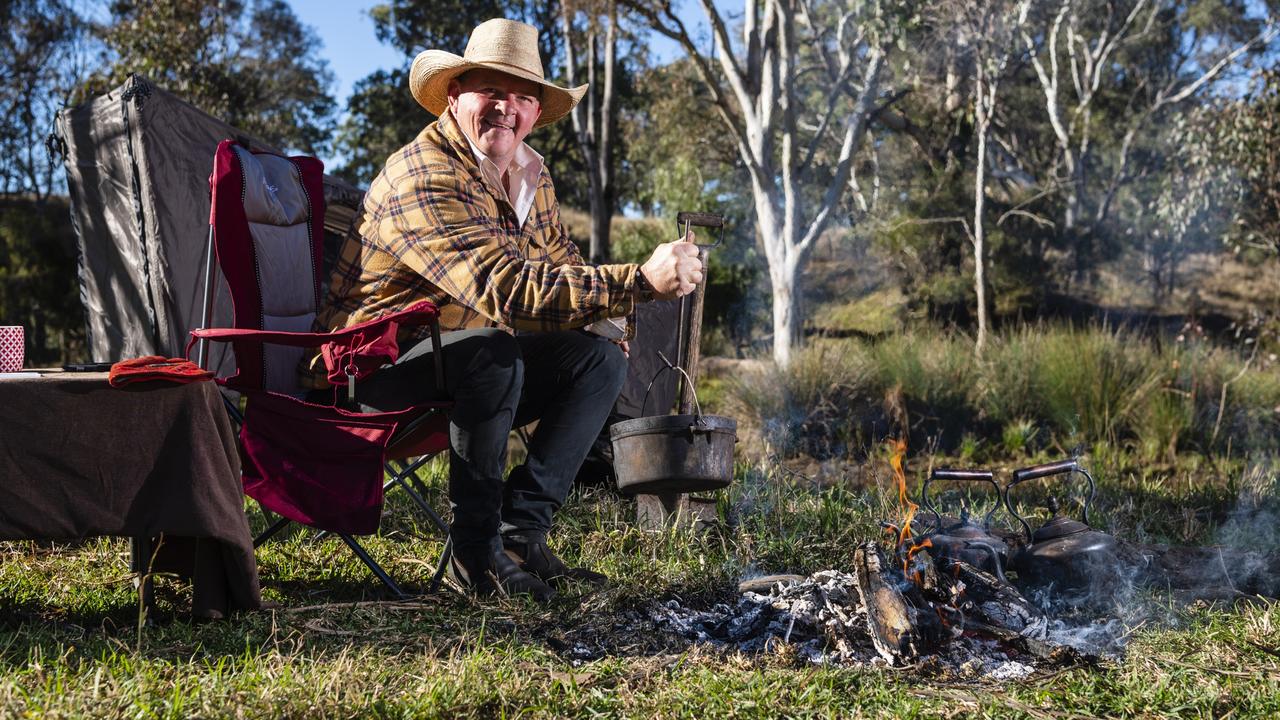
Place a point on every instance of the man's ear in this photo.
(455, 89)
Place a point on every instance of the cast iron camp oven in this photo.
(673, 453)
(688, 452)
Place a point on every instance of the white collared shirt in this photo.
(523, 172)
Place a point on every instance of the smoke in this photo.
(1254, 523)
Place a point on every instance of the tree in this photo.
(256, 67)
(796, 95)
(982, 32)
(1109, 71)
(595, 121)
(1247, 140)
(40, 48)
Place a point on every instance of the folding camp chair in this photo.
(317, 464)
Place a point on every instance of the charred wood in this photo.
(890, 619)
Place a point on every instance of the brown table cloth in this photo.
(79, 458)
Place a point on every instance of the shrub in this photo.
(1035, 387)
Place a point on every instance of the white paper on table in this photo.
(19, 375)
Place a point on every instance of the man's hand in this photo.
(674, 269)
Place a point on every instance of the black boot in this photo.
(495, 574)
(536, 558)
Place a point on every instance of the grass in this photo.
(71, 644)
(1037, 389)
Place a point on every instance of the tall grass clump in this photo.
(1091, 382)
(819, 406)
(934, 371)
(1035, 387)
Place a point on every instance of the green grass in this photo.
(1037, 389)
(70, 645)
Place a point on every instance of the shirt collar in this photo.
(526, 158)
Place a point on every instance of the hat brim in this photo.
(433, 70)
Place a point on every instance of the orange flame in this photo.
(900, 477)
(909, 510)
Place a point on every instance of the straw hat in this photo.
(507, 46)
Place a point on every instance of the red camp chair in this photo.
(316, 464)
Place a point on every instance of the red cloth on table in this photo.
(156, 367)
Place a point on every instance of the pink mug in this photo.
(11, 348)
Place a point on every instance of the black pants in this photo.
(566, 380)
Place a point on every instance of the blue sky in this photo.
(353, 52)
(349, 44)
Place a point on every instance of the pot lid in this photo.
(1059, 526)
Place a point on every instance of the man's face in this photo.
(495, 110)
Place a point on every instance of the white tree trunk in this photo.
(757, 95)
(982, 120)
(593, 123)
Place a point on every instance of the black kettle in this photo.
(1064, 555)
(964, 539)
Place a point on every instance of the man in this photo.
(466, 216)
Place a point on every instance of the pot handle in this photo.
(697, 418)
(959, 475)
(1039, 471)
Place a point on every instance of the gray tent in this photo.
(138, 161)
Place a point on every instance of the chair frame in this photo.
(401, 442)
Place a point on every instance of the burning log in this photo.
(993, 601)
(890, 619)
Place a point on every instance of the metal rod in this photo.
(694, 354)
(445, 556)
(682, 339)
(372, 565)
(266, 534)
(210, 287)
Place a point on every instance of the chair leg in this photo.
(407, 478)
(445, 555)
(266, 534)
(416, 496)
(373, 565)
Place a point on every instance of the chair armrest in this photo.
(423, 313)
(356, 350)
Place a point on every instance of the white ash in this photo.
(822, 620)
(820, 617)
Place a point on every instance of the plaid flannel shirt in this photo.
(435, 229)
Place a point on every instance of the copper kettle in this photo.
(1064, 555)
(964, 539)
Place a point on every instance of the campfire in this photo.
(963, 597)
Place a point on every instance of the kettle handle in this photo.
(962, 475)
(1038, 471)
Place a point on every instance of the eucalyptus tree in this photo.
(594, 47)
(796, 92)
(42, 64)
(1110, 71)
(982, 39)
(253, 65)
